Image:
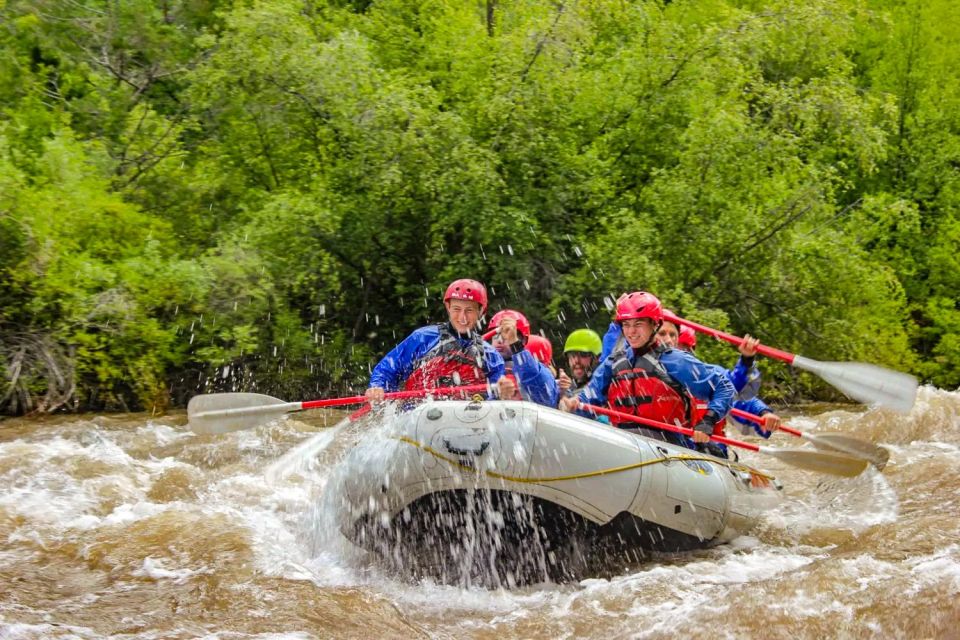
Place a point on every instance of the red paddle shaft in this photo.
(394, 395)
(765, 350)
(664, 426)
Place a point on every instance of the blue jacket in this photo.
(745, 379)
(610, 340)
(535, 380)
(704, 381)
(757, 407)
(396, 366)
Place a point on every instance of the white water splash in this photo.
(155, 569)
(300, 458)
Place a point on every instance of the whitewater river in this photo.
(131, 526)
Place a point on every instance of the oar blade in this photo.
(866, 383)
(854, 447)
(226, 412)
(820, 461)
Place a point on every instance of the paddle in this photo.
(819, 461)
(225, 412)
(866, 383)
(877, 456)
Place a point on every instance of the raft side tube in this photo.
(594, 471)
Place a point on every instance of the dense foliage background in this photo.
(266, 195)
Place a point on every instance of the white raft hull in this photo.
(502, 493)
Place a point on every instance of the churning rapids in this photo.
(126, 526)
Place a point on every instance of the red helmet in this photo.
(540, 348)
(523, 325)
(639, 304)
(465, 289)
(688, 338)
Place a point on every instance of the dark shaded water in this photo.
(126, 526)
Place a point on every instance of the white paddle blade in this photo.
(225, 412)
(877, 456)
(866, 383)
(835, 464)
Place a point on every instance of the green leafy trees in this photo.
(210, 195)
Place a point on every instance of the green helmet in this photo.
(585, 340)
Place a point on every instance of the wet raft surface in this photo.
(508, 494)
(127, 527)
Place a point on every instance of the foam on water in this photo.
(84, 478)
(283, 509)
(155, 569)
(19, 631)
(942, 568)
(162, 434)
(47, 496)
(921, 451)
(851, 504)
(643, 603)
(866, 571)
(257, 636)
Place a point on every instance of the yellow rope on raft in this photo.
(587, 474)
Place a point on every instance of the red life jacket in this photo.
(448, 364)
(643, 388)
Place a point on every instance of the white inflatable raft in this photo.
(505, 493)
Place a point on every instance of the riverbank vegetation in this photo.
(201, 195)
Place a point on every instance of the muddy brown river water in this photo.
(131, 526)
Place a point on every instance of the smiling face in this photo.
(463, 314)
(668, 335)
(638, 332)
